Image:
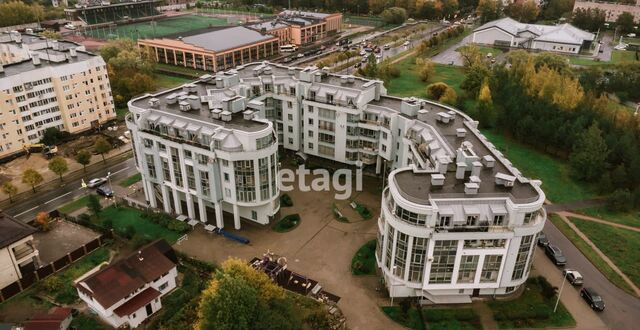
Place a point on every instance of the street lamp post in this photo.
(564, 279)
(115, 200)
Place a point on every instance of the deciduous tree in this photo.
(9, 189)
(489, 10)
(58, 165)
(425, 68)
(83, 157)
(93, 204)
(525, 11)
(32, 178)
(589, 155)
(394, 15)
(102, 146)
(625, 22)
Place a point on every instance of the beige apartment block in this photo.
(55, 86)
(612, 9)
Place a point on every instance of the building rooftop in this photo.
(562, 33)
(118, 280)
(225, 39)
(17, 68)
(49, 321)
(12, 230)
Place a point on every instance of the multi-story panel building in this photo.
(49, 84)
(457, 218)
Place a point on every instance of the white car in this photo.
(363, 53)
(70, 26)
(96, 182)
(573, 276)
(301, 55)
(406, 43)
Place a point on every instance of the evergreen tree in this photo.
(589, 155)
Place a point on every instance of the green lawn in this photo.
(631, 218)
(364, 261)
(75, 205)
(588, 252)
(533, 309)
(409, 84)
(121, 113)
(66, 293)
(555, 174)
(620, 245)
(85, 322)
(617, 57)
(130, 180)
(436, 318)
(122, 217)
(167, 81)
(181, 69)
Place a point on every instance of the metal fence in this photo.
(29, 279)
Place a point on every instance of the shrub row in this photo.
(167, 221)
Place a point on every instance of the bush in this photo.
(127, 232)
(620, 200)
(285, 201)
(167, 221)
(287, 223)
(52, 283)
(363, 211)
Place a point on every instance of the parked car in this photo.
(287, 59)
(592, 298)
(363, 53)
(377, 50)
(96, 182)
(573, 276)
(368, 50)
(555, 254)
(105, 191)
(357, 65)
(364, 59)
(406, 43)
(301, 55)
(386, 47)
(543, 240)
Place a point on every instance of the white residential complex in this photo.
(457, 219)
(47, 83)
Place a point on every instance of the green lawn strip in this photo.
(555, 174)
(66, 293)
(130, 180)
(631, 218)
(288, 223)
(620, 245)
(451, 318)
(75, 205)
(181, 69)
(409, 320)
(588, 252)
(409, 84)
(121, 113)
(123, 217)
(364, 261)
(533, 309)
(617, 57)
(167, 81)
(25, 300)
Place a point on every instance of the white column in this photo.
(219, 219)
(150, 193)
(236, 217)
(165, 199)
(176, 200)
(202, 210)
(378, 164)
(190, 207)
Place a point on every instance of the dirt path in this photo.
(598, 220)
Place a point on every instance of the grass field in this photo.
(123, 217)
(159, 28)
(590, 254)
(631, 218)
(167, 81)
(436, 318)
(130, 180)
(617, 57)
(620, 245)
(556, 181)
(409, 84)
(75, 205)
(364, 261)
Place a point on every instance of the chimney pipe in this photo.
(36, 59)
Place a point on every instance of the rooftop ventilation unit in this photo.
(423, 115)
(73, 52)
(444, 117)
(505, 180)
(267, 70)
(153, 102)
(216, 113)
(194, 101)
(477, 167)
(172, 99)
(461, 132)
(291, 71)
(437, 179)
(475, 179)
(488, 161)
(248, 115)
(471, 188)
(184, 106)
(36, 59)
(189, 88)
(461, 167)
(225, 116)
(219, 82)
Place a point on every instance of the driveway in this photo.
(622, 311)
(320, 247)
(606, 47)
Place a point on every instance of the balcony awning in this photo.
(179, 124)
(193, 128)
(445, 211)
(166, 120)
(471, 210)
(207, 131)
(153, 117)
(498, 209)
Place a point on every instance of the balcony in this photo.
(23, 250)
(178, 139)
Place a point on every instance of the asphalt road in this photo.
(622, 310)
(47, 201)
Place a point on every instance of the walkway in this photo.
(572, 206)
(598, 220)
(486, 315)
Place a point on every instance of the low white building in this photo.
(507, 32)
(128, 291)
(18, 254)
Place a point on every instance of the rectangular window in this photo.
(418, 253)
(490, 268)
(204, 182)
(401, 254)
(245, 180)
(528, 217)
(521, 259)
(263, 171)
(444, 258)
(467, 271)
(444, 221)
(151, 168)
(389, 248)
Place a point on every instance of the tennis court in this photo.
(158, 28)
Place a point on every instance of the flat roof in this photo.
(225, 39)
(27, 65)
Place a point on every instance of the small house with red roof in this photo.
(58, 318)
(129, 291)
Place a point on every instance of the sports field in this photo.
(158, 28)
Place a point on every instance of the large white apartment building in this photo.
(457, 218)
(46, 83)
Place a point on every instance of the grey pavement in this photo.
(606, 48)
(622, 309)
(450, 54)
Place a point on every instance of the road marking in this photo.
(29, 210)
(118, 171)
(51, 200)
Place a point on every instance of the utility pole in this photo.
(564, 279)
